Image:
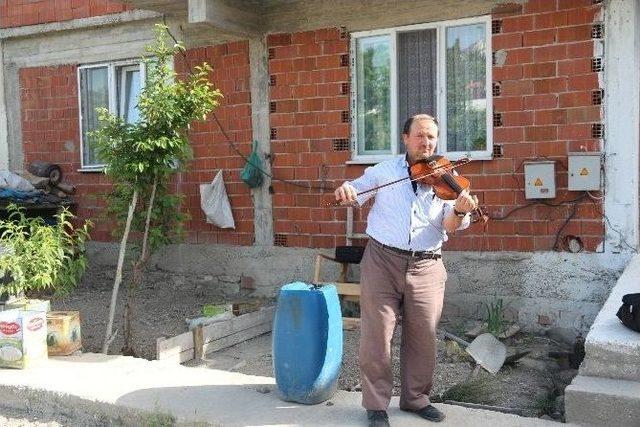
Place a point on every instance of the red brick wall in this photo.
(50, 132)
(545, 106)
(212, 153)
(308, 98)
(16, 13)
(50, 125)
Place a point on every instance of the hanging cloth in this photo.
(252, 173)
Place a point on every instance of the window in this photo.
(441, 68)
(115, 86)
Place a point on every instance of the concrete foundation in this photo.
(539, 290)
(607, 389)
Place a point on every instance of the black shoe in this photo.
(429, 412)
(377, 418)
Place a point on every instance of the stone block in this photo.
(593, 401)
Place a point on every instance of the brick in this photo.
(549, 53)
(538, 6)
(574, 66)
(539, 38)
(538, 70)
(517, 118)
(584, 114)
(574, 34)
(583, 15)
(547, 117)
(540, 133)
(506, 41)
(550, 20)
(551, 148)
(519, 56)
(282, 39)
(520, 150)
(517, 23)
(575, 99)
(536, 102)
(509, 134)
(306, 37)
(508, 103)
(574, 131)
(513, 72)
(592, 227)
(584, 82)
(580, 49)
(552, 85)
(516, 87)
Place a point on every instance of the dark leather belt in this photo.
(413, 254)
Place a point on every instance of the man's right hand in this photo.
(346, 194)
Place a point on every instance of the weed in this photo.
(159, 419)
(545, 404)
(474, 390)
(495, 317)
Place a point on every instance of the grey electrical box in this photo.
(584, 171)
(540, 179)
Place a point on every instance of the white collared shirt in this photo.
(399, 217)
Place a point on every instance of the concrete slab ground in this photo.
(135, 390)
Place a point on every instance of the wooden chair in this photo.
(348, 291)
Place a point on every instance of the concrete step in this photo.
(594, 401)
(136, 392)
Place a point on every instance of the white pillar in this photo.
(262, 201)
(621, 82)
(4, 139)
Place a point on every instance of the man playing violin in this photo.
(402, 274)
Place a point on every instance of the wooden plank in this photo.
(167, 347)
(181, 347)
(350, 323)
(198, 342)
(175, 353)
(348, 288)
(219, 330)
(236, 338)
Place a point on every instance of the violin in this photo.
(436, 172)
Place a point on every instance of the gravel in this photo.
(166, 300)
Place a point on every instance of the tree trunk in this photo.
(138, 268)
(110, 335)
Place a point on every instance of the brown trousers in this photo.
(391, 285)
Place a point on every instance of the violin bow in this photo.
(397, 181)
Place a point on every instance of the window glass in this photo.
(94, 90)
(130, 87)
(373, 95)
(466, 88)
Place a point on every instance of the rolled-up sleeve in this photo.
(366, 181)
(448, 208)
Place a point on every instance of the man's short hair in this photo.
(407, 124)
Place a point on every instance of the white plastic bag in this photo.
(215, 203)
(14, 181)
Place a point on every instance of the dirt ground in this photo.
(533, 386)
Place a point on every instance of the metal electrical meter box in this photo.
(584, 171)
(540, 179)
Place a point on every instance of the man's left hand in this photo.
(465, 202)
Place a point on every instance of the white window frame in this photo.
(112, 83)
(441, 85)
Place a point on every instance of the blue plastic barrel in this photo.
(307, 342)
